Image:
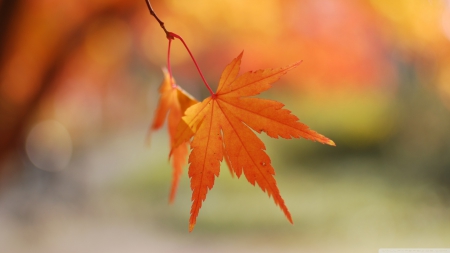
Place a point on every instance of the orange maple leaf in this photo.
(221, 126)
(173, 101)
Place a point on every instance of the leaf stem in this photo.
(195, 62)
(169, 69)
(170, 36)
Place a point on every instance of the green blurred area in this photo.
(78, 88)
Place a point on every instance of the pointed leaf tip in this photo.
(331, 143)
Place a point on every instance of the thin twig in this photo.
(170, 36)
(152, 12)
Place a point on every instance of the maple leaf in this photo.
(173, 101)
(221, 126)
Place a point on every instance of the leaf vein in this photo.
(248, 153)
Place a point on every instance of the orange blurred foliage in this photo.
(87, 63)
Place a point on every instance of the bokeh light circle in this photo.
(49, 146)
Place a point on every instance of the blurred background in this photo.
(78, 88)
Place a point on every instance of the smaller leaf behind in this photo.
(173, 101)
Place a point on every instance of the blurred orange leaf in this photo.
(173, 101)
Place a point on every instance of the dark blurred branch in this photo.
(8, 11)
(12, 139)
